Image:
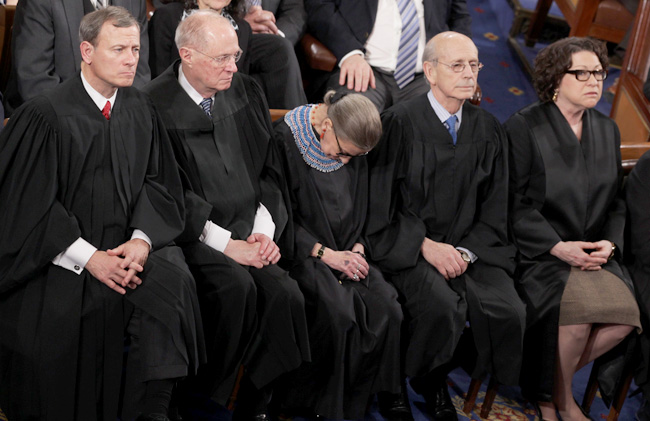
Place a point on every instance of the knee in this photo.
(578, 333)
(622, 331)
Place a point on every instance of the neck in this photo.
(572, 115)
(104, 89)
(452, 105)
(319, 114)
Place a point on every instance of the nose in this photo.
(132, 57)
(467, 71)
(231, 66)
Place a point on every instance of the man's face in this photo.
(204, 70)
(112, 62)
(446, 84)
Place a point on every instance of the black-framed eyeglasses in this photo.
(458, 67)
(341, 153)
(584, 75)
(223, 60)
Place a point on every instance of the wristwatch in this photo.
(465, 257)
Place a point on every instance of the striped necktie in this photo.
(206, 104)
(408, 44)
(100, 4)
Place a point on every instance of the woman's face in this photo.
(213, 4)
(574, 95)
(337, 148)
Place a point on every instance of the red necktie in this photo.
(107, 110)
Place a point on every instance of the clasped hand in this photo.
(444, 257)
(575, 253)
(117, 268)
(258, 251)
(350, 263)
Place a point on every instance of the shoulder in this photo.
(163, 80)
(529, 116)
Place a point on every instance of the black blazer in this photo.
(345, 25)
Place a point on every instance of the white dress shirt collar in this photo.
(98, 99)
(442, 113)
(187, 87)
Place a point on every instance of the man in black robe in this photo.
(441, 232)
(220, 129)
(89, 188)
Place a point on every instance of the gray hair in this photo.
(91, 24)
(191, 31)
(354, 118)
(429, 53)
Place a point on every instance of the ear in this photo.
(87, 50)
(186, 56)
(326, 124)
(430, 72)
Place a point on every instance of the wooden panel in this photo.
(6, 23)
(633, 127)
(277, 113)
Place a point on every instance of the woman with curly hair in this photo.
(567, 215)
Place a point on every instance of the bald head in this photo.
(450, 63)
(209, 49)
(203, 28)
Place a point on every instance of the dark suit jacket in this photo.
(290, 17)
(345, 25)
(45, 46)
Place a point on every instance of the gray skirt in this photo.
(597, 297)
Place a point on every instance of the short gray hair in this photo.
(429, 53)
(354, 118)
(91, 24)
(191, 31)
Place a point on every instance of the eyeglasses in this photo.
(584, 75)
(459, 67)
(223, 60)
(341, 153)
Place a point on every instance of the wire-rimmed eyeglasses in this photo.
(458, 67)
(223, 60)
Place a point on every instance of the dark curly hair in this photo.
(235, 8)
(553, 61)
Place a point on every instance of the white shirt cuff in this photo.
(263, 222)
(471, 255)
(214, 236)
(351, 53)
(141, 235)
(75, 257)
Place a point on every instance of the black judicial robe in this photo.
(67, 172)
(422, 185)
(561, 189)
(637, 189)
(224, 159)
(354, 327)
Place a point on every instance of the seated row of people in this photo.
(434, 208)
